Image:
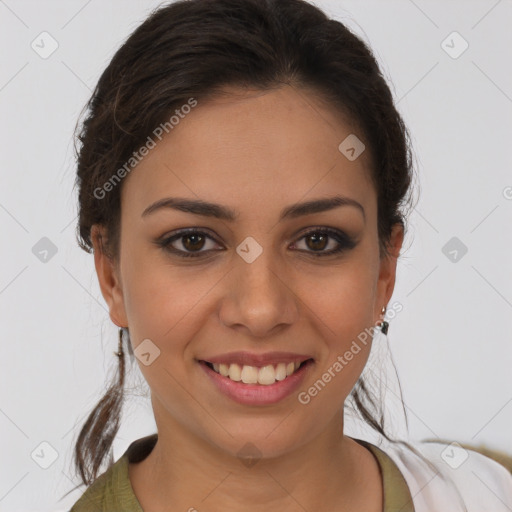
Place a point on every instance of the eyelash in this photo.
(345, 242)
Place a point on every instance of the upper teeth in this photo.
(253, 375)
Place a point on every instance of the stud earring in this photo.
(384, 325)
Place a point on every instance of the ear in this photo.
(387, 273)
(108, 277)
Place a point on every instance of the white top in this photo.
(474, 482)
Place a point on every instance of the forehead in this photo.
(253, 148)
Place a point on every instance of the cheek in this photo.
(341, 306)
(342, 299)
(165, 303)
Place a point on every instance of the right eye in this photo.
(190, 240)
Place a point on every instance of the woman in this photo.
(242, 179)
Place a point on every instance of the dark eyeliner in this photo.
(344, 241)
(165, 243)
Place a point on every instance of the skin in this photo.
(254, 152)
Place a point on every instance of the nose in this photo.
(259, 300)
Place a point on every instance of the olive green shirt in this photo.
(112, 491)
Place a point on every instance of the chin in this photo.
(261, 440)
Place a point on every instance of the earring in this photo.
(384, 325)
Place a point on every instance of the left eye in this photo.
(316, 241)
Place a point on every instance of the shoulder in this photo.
(456, 478)
(112, 490)
(104, 493)
(94, 496)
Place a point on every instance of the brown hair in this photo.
(192, 49)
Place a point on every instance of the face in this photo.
(246, 289)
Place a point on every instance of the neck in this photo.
(330, 472)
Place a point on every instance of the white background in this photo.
(452, 343)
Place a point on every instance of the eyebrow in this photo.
(207, 209)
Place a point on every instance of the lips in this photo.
(253, 385)
(261, 370)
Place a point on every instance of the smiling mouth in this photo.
(264, 375)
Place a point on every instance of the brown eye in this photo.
(188, 243)
(193, 242)
(318, 239)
